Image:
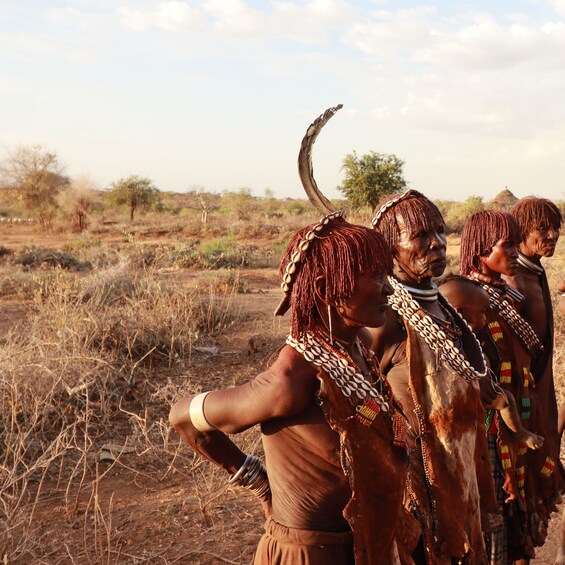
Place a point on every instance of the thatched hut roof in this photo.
(503, 201)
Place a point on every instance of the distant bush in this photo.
(456, 214)
(40, 258)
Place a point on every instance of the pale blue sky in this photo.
(218, 93)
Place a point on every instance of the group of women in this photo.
(400, 426)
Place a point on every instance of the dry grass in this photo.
(84, 363)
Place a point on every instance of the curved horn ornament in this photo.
(305, 169)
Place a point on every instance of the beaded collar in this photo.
(508, 313)
(369, 394)
(530, 265)
(437, 339)
(338, 364)
(501, 286)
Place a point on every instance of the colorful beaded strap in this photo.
(357, 387)
(508, 313)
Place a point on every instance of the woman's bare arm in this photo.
(286, 389)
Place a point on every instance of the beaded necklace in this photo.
(517, 324)
(502, 287)
(437, 339)
(369, 393)
(336, 361)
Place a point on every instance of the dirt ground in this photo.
(154, 512)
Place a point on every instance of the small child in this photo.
(472, 302)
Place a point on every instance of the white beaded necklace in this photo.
(411, 312)
(347, 376)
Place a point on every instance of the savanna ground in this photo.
(99, 334)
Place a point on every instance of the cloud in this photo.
(470, 41)
(172, 16)
(559, 7)
(307, 23)
(491, 46)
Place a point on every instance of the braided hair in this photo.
(481, 233)
(534, 213)
(341, 252)
(416, 211)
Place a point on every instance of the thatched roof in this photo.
(504, 201)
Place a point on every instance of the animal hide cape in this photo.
(452, 432)
(376, 470)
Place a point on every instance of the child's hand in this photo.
(533, 441)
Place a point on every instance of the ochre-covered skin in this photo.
(377, 490)
(537, 310)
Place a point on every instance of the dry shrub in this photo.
(91, 347)
(15, 281)
(40, 258)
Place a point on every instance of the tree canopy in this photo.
(371, 176)
(133, 192)
(34, 177)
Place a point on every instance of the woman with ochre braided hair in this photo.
(540, 222)
(333, 433)
(435, 367)
(525, 479)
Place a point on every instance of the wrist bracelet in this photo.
(252, 476)
(196, 412)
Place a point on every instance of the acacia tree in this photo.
(370, 177)
(34, 177)
(77, 202)
(134, 192)
(205, 202)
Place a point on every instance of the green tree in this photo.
(134, 192)
(34, 177)
(370, 177)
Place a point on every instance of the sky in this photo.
(217, 94)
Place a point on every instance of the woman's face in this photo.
(542, 241)
(502, 259)
(420, 252)
(368, 304)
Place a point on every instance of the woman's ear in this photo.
(320, 288)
